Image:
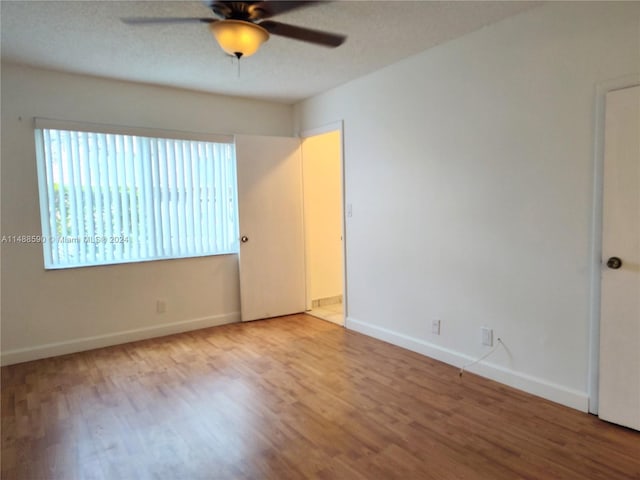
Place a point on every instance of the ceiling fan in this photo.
(243, 26)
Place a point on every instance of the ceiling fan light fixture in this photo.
(239, 38)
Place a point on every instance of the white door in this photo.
(619, 396)
(272, 274)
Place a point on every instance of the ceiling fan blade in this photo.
(318, 37)
(164, 20)
(271, 8)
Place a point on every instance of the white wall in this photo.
(470, 171)
(52, 312)
(322, 181)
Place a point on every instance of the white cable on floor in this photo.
(498, 343)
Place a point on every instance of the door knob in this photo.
(614, 263)
(244, 239)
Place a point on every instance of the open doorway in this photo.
(323, 225)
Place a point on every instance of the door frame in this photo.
(595, 250)
(312, 132)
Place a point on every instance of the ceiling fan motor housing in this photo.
(247, 11)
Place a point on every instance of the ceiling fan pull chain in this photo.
(235, 61)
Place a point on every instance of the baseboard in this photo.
(20, 355)
(321, 302)
(528, 383)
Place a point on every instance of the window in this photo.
(113, 198)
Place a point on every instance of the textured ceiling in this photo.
(87, 37)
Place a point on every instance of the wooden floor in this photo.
(288, 398)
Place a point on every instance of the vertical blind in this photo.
(112, 198)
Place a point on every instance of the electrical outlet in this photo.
(487, 336)
(161, 306)
(435, 327)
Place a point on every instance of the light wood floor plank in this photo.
(288, 398)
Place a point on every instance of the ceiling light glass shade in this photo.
(239, 38)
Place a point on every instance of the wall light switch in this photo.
(435, 327)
